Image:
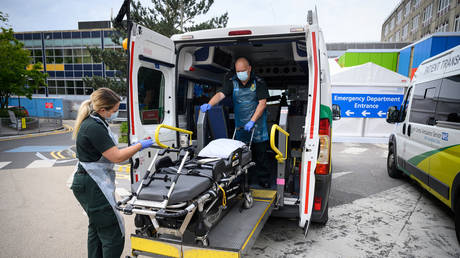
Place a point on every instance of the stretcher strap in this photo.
(224, 198)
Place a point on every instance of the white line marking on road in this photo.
(339, 174)
(354, 150)
(38, 154)
(41, 164)
(65, 160)
(4, 164)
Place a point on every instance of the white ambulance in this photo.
(425, 144)
(169, 78)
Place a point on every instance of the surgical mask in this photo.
(113, 116)
(243, 76)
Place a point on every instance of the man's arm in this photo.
(259, 110)
(216, 98)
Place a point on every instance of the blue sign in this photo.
(365, 105)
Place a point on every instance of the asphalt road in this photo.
(371, 215)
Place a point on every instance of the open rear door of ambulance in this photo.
(310, 149)
(151, 89)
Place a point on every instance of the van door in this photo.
(444, 160)
(151, 90)
(420, 129)
(311, 128)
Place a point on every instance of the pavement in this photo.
(40, 216)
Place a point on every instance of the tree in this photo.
(17, 76)
(167, 17)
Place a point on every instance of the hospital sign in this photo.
(365, 105)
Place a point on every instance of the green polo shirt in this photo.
(92, 140)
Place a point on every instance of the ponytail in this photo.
(83, 113)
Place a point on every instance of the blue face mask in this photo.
(243, 76)
(113, 116)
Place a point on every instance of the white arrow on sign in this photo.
(381, 113)
(348, 113)
(365, 113)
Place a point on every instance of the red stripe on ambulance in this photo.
(131, 88)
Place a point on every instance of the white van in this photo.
(425, 144)
(169, 78)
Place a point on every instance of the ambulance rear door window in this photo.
(151, 88)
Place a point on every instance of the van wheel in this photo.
(457, 217)
(392, 169)
(325, 218)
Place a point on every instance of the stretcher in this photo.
(181, 200)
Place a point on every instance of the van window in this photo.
(424, 102)
(151, 87)
(405, 105)
(448, 108)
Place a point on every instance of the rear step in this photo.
(233, 236)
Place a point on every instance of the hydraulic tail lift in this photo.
(232, 237)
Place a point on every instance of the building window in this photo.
(443, 7)
(457, 23)
(398, 21)
(415, 23)
(427, 15)
(407, 10)
(442, 27)
(416, 4)
(387, 29)
(397, 36)
(392, 23)
(405, 31)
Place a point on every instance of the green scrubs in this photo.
(104, 236)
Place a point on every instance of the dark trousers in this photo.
(263, 172)
(104, 235)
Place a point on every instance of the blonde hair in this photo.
(99, 99)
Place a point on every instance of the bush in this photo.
(123, 133)
(17, 112)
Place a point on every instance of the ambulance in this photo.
(169, 78)
(425, 144)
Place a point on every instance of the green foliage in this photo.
(15, 78)
(123, 132)
(124, 127)
(17, 112)
(167, 17)
(170, 17)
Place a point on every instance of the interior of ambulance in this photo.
(202, 68)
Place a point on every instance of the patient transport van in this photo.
(169, 78)
(425, 144)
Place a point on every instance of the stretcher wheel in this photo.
(248, 200)
(202, 241)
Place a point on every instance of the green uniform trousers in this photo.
(104, 236)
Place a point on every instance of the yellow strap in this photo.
(224, 198)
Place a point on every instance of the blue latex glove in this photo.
(249, 126)
(146, 143)
(205, 107)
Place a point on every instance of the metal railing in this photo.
(28, 125)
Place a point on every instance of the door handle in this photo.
(136, 163)
(404, 128)
(408, 130)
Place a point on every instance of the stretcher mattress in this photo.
(197, 176)
(187, 187)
